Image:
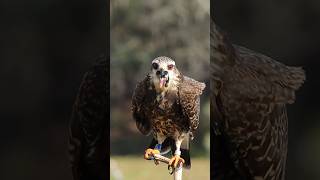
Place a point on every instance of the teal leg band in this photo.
(158, 147)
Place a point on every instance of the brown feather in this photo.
(189, 93)
(249, 93)
(139, 107)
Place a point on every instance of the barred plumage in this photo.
(249, 96)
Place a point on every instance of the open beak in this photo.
(162, 82)
(164, 78)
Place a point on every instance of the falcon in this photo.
(167, 104)
(248, 108)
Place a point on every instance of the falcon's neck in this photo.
(222, 54)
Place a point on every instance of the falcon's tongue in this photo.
(162, 82)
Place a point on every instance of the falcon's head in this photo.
(164, 73)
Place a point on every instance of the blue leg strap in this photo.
(158, 147)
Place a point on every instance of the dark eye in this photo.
(155, 65)
(170, 66)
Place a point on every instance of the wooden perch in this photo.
(161, 158)
(177, 173)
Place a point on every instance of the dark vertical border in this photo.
(211, 116)
(107, 20)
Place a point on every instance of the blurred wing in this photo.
(250, 94)
(257, 139)
(252, 99)
(223, 167)
(260, 78)
(88, 137)
(189, 94)
(138, 104)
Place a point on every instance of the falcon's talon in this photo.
(156, 162)
(150, 153)
(175, 161)
(170, 168)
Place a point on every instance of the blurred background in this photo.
(141, 30)
(288, 31)
(46, 46)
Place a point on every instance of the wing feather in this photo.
(138, 102)
(260, 78)
(250, 93)
(253, 98)
(189, 94)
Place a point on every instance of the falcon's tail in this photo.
(185, 152)
(186, 156)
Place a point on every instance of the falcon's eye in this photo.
(155, 65)
(170, 66)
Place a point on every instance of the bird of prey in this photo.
(167, 104)
(248, 108)
(88, 133)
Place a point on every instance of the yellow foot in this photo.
(175, 160)
(150, 152)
